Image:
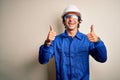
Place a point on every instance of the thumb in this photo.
(92, 29)
(51, 28)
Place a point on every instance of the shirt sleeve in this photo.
(98, 51)
(45, 53)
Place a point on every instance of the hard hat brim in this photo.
(76, 13)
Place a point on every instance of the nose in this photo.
(71, 18)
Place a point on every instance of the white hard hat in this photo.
(71, 8)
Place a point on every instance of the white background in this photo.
(24, 25)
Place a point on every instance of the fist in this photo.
(51, 36)
(92, 36)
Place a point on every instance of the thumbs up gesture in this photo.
(51, 36)
(92, 36)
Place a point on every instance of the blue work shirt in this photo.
(72, 55)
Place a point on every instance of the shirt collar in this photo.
(78, 34)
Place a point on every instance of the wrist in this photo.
(47, 42)
(99, 39)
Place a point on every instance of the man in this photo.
(72, 48)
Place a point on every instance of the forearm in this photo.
(99, 52)
(45, 54)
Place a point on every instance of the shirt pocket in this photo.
(63, 52)
(60, 52)
(81, 51)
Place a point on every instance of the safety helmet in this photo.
(71, 9)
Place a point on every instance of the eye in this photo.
(71, 15)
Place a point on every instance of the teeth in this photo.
(71, 23)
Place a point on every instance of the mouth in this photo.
(71, 23)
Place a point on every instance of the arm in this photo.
(98, 51)
(97, 48)
(45, 53)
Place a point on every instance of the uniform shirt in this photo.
(72, 55)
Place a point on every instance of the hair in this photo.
(79, 20)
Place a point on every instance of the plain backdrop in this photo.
(24, 25)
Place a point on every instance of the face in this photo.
(71, 22)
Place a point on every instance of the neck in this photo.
(72, 33)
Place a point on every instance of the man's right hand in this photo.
(51, 36)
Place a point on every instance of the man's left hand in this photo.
(92, 36)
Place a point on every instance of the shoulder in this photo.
(59, 36)
(81, 35)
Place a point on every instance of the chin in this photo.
(71, 28)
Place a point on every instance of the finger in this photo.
(89, 35)
(52, 34)
(92, 29)
(51, 28)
